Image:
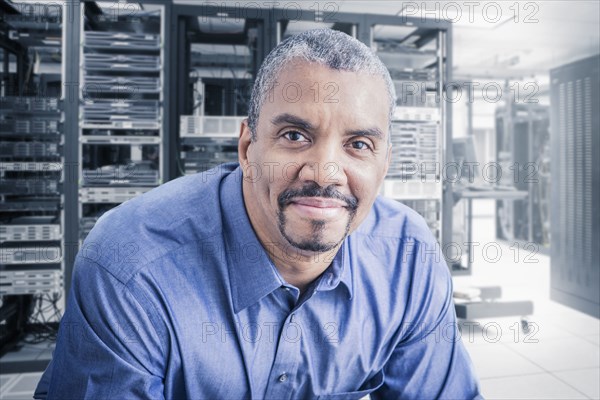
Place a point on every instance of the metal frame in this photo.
(509, 122)
(71, 146)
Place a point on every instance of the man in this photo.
(282, 278)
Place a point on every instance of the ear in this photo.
(244, 143)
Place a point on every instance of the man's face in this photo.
(320, 155)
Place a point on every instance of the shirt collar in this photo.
(338, 271)
(252, 274)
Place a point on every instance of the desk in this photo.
(488, 306)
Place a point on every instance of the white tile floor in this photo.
(558, 360)
(19, 386)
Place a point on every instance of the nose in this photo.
(324, 165)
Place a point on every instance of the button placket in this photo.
(285, 364)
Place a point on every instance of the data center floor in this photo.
(558, 359)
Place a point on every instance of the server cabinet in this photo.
(31, 151)
(218, 52)
(575, 227)
(122, 140)
(419, 58)
(32, 175)
(522, 153)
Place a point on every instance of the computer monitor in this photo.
(463, 150)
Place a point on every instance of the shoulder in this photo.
(394, 251)
(390, 219)
(394, 245)
(147, 227)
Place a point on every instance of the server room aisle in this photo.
(560, 359)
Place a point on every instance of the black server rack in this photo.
(31, 170)
(121, 135)
(575, 227)
(418, 56)
(31, 152)
(523, 157)
(219, 49)
(31, 185)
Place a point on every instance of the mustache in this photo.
(314, 190)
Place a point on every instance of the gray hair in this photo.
(327, 47)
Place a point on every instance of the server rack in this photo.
(122, 142)
(32, 178)
(219, 51)
(575, 227)
(31, 152)
(55, 178)
(31, 184)
(522, 153)
(418, 56)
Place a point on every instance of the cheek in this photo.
(365, 182)
(274, 181)
(285, 173)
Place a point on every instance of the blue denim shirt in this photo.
(174, 297)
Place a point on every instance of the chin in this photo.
(316, 240)
(314, 247)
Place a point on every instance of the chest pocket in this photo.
(368, 387)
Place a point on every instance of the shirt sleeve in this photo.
(111, 341)
(430, 361)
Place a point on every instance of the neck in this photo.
(297, 267)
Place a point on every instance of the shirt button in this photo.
(283, 377)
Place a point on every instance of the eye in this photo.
(295, 136)
(360, 145)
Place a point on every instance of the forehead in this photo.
(314, 88)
